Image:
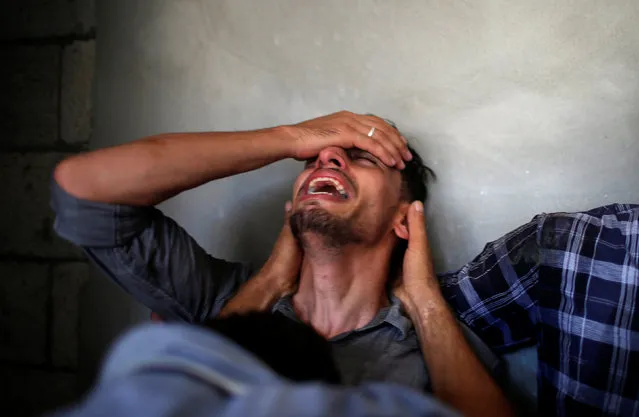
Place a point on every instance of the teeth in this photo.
(339, 187)
(326, 179)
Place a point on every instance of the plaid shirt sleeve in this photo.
(569, 283)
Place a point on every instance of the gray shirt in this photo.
(155, 260)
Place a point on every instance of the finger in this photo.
(417, 241)
(388, 131)
(392, 134)
(408, 156)
(385, 141)
(384, 132)
(379, 124)
(288, 210)
(397, 156)
(375, 148)
(286, 234)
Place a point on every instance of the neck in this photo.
(342, 289)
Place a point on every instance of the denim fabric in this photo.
(164, 370)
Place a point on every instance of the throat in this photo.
(342, 295)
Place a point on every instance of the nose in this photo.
(332, 157)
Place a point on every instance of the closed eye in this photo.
(363, 157)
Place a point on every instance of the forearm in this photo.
(150, 170)
(457, 376)
(259, 293)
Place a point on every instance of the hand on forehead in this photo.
(350, 130)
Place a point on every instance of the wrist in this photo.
(285, 140)
(282, 287)
(274, 284)
(423, 297)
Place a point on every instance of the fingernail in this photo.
(408, 155)
(392, 162)
(288, 206)
(419, 207)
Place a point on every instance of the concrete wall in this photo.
(519, 106)
(46, 78)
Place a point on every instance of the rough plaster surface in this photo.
(68, 280)
(520, 107)
(29, 78)
(23, 309)
(78, 69)
(45, 18)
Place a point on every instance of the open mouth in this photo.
(326, 186)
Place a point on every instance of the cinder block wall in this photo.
(46, 78)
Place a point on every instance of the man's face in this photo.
(345, 196)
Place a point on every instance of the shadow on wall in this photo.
(256, 222)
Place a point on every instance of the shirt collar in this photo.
(392, 314)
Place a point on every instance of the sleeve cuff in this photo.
(94, 224)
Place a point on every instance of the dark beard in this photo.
(334, 231)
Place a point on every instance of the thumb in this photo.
(417, 240)
(288, 210)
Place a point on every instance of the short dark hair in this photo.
(416, 175)
(415, 178)
(291, 348)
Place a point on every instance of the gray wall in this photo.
(519, 106)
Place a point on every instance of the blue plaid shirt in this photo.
(569, 283)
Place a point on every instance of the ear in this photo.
(400, 225)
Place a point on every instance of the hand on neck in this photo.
(342, 289)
